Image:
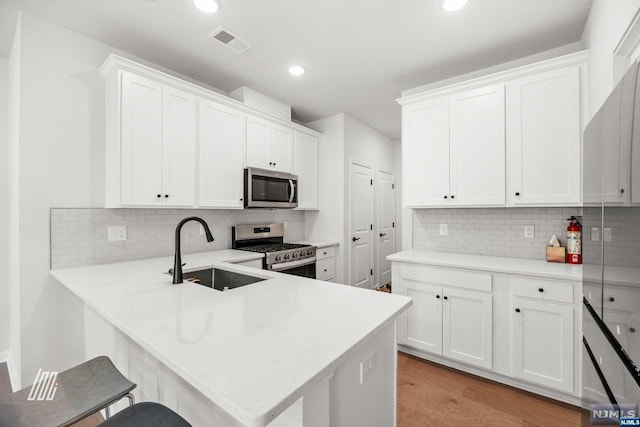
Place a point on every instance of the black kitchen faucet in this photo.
(177, 260)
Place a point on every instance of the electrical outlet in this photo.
(444, 229)
(595, 234)
(117, 233)
(529, 232)
(607, 234)
(368, 366)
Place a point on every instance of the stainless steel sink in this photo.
(219, 279)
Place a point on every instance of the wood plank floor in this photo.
(433, 395)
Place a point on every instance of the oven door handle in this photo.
(292, 264)
(293, 190)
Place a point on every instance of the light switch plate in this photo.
(529, 232)
(444, 229)
(117, 233)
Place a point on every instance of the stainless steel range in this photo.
(290, 258)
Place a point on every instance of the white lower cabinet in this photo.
(326, 263)
(467, 327)
(542, 343)
(455, 323)
(517, 329)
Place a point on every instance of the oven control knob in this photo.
(309, 252)
(286, 256)
(303, 253)
(294, 255)
(278, 257)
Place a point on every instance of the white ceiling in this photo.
(359, 54)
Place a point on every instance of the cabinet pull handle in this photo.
(382, 234)
(241, 200)
(166, 196)
(622, 191)
(325, 270)
(446, 197)
(540, 289)
(612, 299)
(446, 297)
(517, 193)
(453, 197)
(159, 195)
(438, 296)
(355, 239)
(632, 330)
(517, 310)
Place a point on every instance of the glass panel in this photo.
(266, 189)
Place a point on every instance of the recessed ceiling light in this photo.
(207, 6)
(453, 5)
(296, 70)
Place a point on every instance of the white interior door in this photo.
(386, 223)
(361, 226)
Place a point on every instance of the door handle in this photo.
(355, 239)
(382, 234)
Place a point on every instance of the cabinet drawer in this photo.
(621, 299)
(438, 276)
(326, 269)
(548, 290)
(328, 252)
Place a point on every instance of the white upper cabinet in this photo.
(170, 143)
(543, 134)
(425, 147)
(477, 150)
(141, 127)
(511, 138)
(455, 148)
(269, 146)
(221, 145)
(305, 166)
(158, 144)
(178, 147)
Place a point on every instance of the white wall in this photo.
(397, 167)
(4, 207)
(327, 224)
(14, 212)
(607, 22)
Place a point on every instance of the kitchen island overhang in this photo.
(285, 350)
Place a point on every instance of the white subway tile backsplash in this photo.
(79, 236)
(490, 231)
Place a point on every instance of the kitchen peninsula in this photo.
(286, 351)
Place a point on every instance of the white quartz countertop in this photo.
(489, 263)
(253, 351)
(318, 243)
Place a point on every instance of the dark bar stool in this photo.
(146, 414)
(81, 391)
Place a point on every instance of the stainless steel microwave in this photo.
(270, 189)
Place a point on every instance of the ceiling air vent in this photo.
(230, 40)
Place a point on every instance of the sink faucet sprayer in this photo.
(177, 260)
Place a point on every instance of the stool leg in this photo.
(131, 398)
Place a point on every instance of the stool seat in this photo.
(146, 414)
(81, 391)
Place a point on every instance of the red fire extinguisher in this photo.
(574, 241)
